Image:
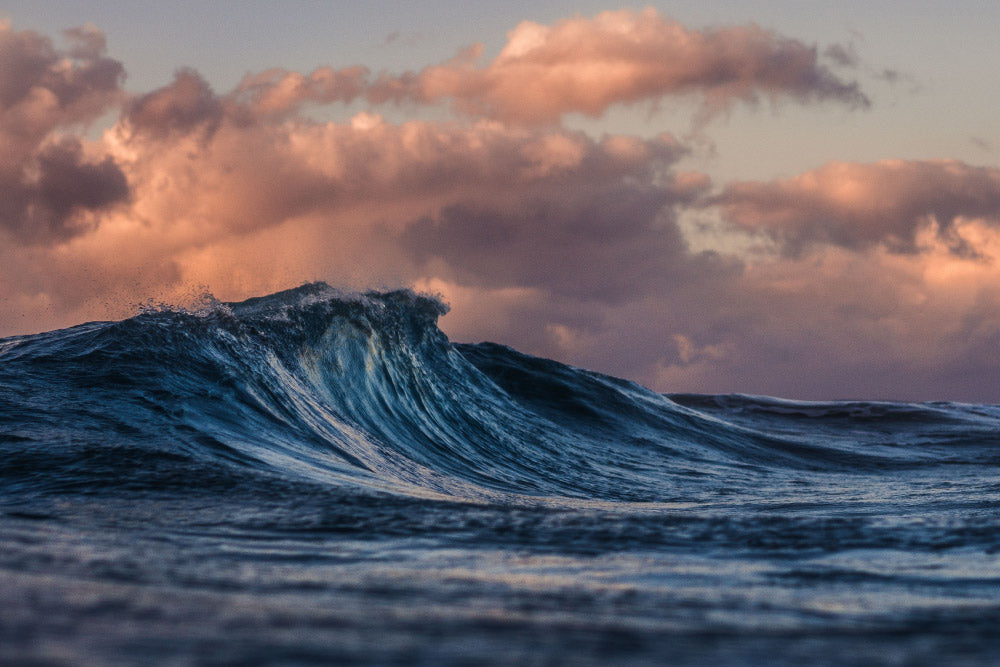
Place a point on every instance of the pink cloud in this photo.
(257, 171)
(858, 205)
(587, 65)
(279, 91)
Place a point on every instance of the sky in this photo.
(797, 199)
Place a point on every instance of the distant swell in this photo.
(364, 390)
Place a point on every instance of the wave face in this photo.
(314, 450)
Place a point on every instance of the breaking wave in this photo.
(364, 390)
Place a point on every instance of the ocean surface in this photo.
(315, 477)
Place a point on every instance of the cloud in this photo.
(837, 323)
(855, 205)
(52, 205)
(557, 242)
(610, 241)
(842, 323)
(279, 91)
(42, 88)
(52, 184)
(251, 206)
(587, 65)
(842, 55)
(180, 107)
(982, 144)
(262, 173)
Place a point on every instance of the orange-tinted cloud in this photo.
(244, 202)
(259, 172)
(587, 65)
(859, 205)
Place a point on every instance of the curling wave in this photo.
(364, 390)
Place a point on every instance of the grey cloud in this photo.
(47, 182)
(46, 208)
(87, 42)
(603, 245)
(32, 66)
(186, 104)
(68, 182)
(842, 55)
(609, 242)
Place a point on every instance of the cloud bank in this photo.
(851, 280)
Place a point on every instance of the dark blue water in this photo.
(312, 477)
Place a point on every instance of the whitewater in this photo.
(320, 477)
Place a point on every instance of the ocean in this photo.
(319, 477)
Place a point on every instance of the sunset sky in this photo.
(798, 199)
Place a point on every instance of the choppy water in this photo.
(313, 477)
